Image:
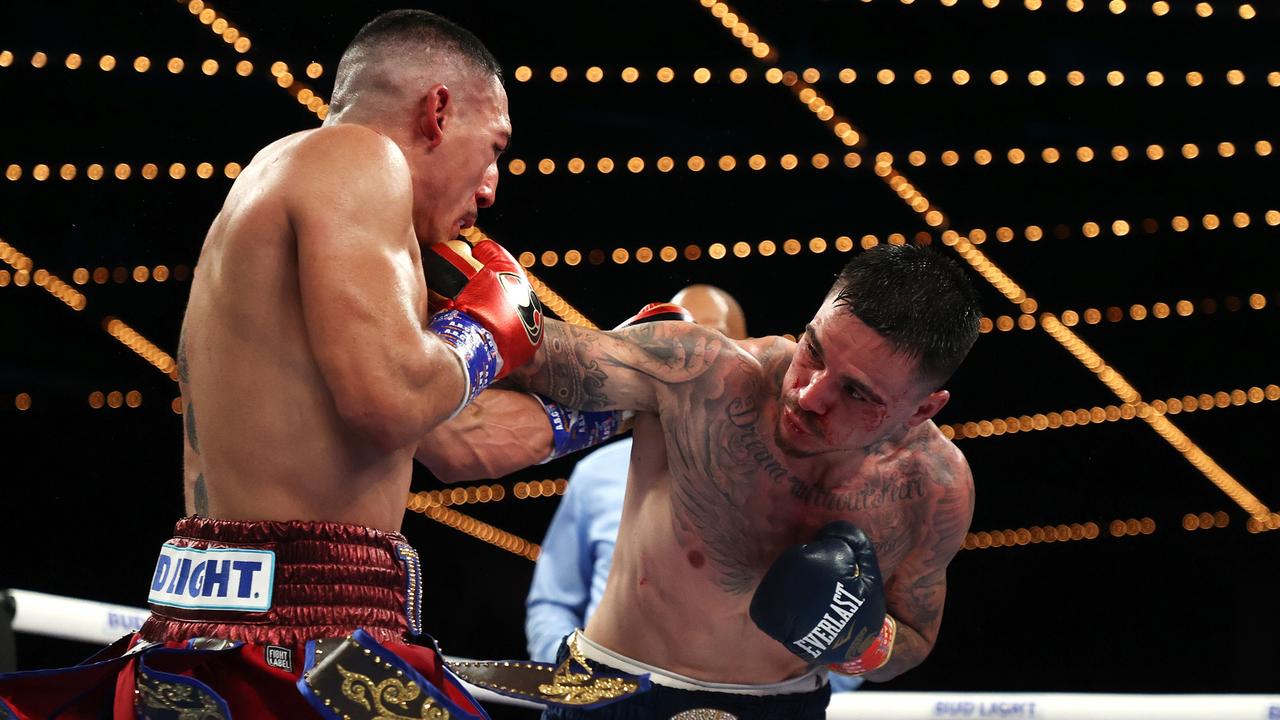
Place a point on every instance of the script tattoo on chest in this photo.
(743, 416)
(715, 457)
(731, 490)
(877, 492)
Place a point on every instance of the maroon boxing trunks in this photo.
(260, 620)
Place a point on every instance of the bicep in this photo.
(356, 274)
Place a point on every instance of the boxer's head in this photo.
(714, 308)
(434, 89)
(872, 362)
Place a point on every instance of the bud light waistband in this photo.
(282, 582)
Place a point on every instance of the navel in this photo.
(696, 559)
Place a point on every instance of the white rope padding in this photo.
(69, 618)
(875, 705)
(96, 622)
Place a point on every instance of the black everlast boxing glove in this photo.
(824, 601)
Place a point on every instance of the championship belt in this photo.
(572, 683)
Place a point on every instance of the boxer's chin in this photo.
(794, 444)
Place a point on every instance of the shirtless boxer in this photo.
(309, 371)
(723, 575)
(573, 565)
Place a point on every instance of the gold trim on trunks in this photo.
(356, 683)
(187, 701)
(543, 683)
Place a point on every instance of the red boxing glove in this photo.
(657, 312)
(873, 657)
(486, 310)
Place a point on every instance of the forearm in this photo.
(620, 370)
(565, 369)
(910, 648)
(501, 432)
(395, 396)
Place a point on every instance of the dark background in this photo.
(89, 493)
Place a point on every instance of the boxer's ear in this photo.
(433, 113)
(932, 403)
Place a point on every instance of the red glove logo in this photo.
(528, 309)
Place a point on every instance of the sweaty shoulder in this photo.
(350, 163)
(773, 352)
(938, 460)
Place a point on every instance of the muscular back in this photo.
(264, 437)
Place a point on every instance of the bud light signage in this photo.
(213, 579)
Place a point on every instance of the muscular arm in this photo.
(500, 432)
(360, 276)
(915, 595)
(619, 370)
(585, 369)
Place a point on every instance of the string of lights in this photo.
(102, 275)
(959, 77)
(219, 25)
(694, 163)
(232, 35)
(475, 528)
(40, 172)
(473, 494)
(1110, 413)
(1160, 8)
(97, 400)
(1135, 312)
(142, 64)
(1087, 154)
(1205, 521)
(1015, 294)
(817, 245)
(821, 161)
(1118, 228)
(1118, 528)
(143, 347)
(76, 300)
(115, 399)
(139, 274)
(804, 88)
(25, 273)
(1158, 421)
(1032, 535)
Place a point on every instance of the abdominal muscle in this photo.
(662, 606)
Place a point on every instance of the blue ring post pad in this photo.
(474, 344)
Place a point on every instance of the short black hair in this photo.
(918, 300)
(415, 29)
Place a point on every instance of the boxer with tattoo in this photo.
(790, 505)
